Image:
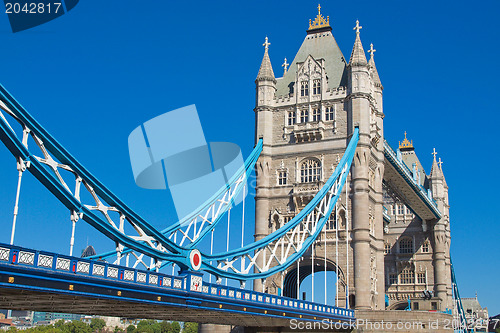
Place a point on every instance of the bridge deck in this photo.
(398, 176)
(36, 280)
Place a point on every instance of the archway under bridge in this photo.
(305, 270)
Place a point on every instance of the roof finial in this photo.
(319, 21)
(266, 44)
(357, 27)
(440, 163)
(372, 51)
(406, 144)
(434, 153)
(285, 66)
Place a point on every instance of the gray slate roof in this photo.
(320, 45)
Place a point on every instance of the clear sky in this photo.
(93, 75)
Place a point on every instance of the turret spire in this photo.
(358, 56)
(266, 69)
(373, 68)
(435, 169)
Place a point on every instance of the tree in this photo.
(130, 329)
(175, 327)
(190, 328)
(118, 330)
(97, 324)
(165, 327)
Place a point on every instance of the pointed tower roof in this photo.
(320, 44)
(435, 170)
(358, 57)
(373, 68)
(266, 69)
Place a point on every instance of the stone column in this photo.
(439, 262)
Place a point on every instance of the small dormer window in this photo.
(316, 115)
(316, 87)
(304, 116)
(304, 88)
(292, 118)
(330, 113)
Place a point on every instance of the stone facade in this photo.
(305, 119)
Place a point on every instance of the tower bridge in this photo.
(331, 195)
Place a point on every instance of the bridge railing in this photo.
(15, 255)
(403, 169)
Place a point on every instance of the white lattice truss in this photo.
(291, 244)
(183, 234)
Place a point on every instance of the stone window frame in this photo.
(392, 278)
(330, 113)
(291, 118)
(304, 116)
(312, 172)
(282, 178)
(316, 86)
(405, 245)
(421, 278)
(316, 114)
(387, 248)
(304, 88)
(425, 247)
(407, 276)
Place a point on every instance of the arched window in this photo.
(316, 87)
(406, 245)
(310, 171)
(304, 88)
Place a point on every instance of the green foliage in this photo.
(130, 329)
(190, 328)
(97, 324)
(175, 327)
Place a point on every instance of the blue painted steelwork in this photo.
(246, 169)
(463, 327)
(335, 183)
(176, 254)
(109, 279)
(405, 172)
(164, 249)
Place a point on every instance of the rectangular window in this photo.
(393, 279)
(394, 210)
(425, 247)
(282, 178)
(415, 306)
(387, 248)
(434, 305)
(407, 276)
(421, 278)
(408, 212)
(304, 116)
(330, 224)
(292, 118)
(304, 88)
(316, 87)
(330, 113)
(400, 209)
(316, 115)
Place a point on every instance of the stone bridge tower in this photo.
(306, 118)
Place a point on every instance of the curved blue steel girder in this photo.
(333, 186)
(161, 247)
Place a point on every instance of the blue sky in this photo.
(93, 75)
